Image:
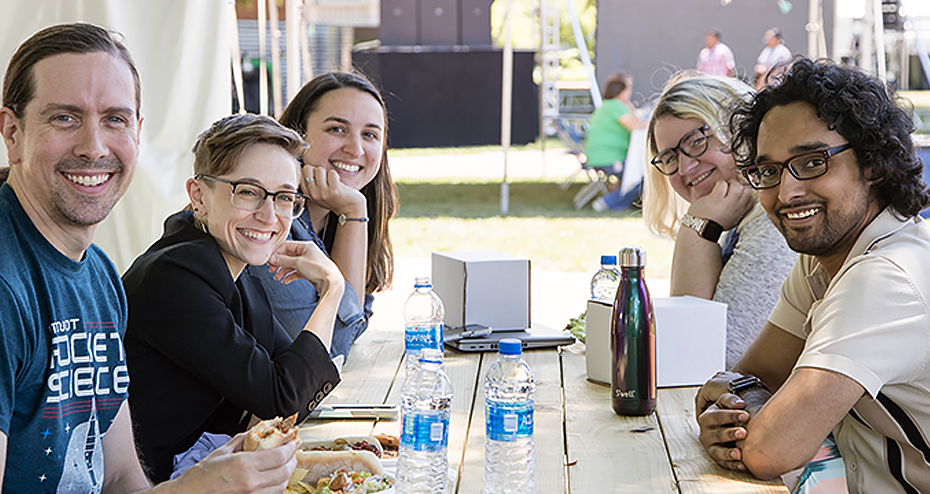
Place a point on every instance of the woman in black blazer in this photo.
(204, 351)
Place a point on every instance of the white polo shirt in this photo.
(871, 323)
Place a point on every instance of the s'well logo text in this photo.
(87, 360)
(625, 393)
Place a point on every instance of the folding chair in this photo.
(597, 176)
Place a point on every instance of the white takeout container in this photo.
(691, 340)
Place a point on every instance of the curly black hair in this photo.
(860, 108)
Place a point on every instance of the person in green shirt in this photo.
(608, 137)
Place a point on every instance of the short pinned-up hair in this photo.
(218, 148)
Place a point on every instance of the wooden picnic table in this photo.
(581, 445)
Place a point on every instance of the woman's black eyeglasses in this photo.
(692, 144)
(250, 197)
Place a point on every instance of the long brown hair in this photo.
(379, 193)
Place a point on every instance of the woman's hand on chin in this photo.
(326, 190)
(304, 260)
(726, 204)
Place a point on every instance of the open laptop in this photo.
(477, 338)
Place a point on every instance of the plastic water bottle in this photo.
(633, 340)
(509, 453)
(606, 280)
(423, 313)
(426, 403)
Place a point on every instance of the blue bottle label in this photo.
(418, 337)
(425, 431)
(509, 421)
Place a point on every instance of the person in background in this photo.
(608, 137)
(774, 53)
(847, 347)
(205, 352)
(716, 58)
(71, 122)
(346, 175)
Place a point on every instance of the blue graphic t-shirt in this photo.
(63, 372)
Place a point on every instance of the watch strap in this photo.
(343, 219)
(708, 229)
(738, 385)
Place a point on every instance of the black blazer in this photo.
(204, 352)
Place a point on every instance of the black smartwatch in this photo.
(738, 385)
(707, 229)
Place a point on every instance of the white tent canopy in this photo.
(181, 49)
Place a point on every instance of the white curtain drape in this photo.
(181, 49)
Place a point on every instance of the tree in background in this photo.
(525, 31)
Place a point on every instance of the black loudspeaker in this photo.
(440, 98)
(439, 22)
(891, 15)
(398, 23)
(475, 16)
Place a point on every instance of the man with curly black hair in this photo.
(847, 347)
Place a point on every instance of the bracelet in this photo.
(342, 219)
(707, 229)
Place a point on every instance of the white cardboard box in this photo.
(691, 340)
(487, 287)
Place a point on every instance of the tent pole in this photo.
(235, 56)
(506, 103)
(293, 18)
(262, 70)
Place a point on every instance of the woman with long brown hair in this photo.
(343, 118)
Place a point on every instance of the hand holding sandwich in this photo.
(230, 470)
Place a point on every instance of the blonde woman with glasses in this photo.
(726, 248)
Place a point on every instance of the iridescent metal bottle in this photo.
(633, 340)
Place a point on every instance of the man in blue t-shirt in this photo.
(70, 120)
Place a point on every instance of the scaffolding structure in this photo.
(549, 24)
(551, 101)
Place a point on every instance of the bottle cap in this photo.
(510, 346)
(422, 281)
(609, 260)
(430, 356)
(632, 257)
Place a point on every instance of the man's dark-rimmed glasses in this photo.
(804, 166)
(692, 145)
(251, 197)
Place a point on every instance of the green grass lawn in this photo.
(542, 225)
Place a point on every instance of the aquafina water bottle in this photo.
(509, 453)
(423, 313)
(426, 404)
(605, 281)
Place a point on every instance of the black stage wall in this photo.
(451, 97)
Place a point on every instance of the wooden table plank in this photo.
(367, 378)
(462, 370)
(471, 474)
(609, 455)
(548, 434)
(696, 472)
